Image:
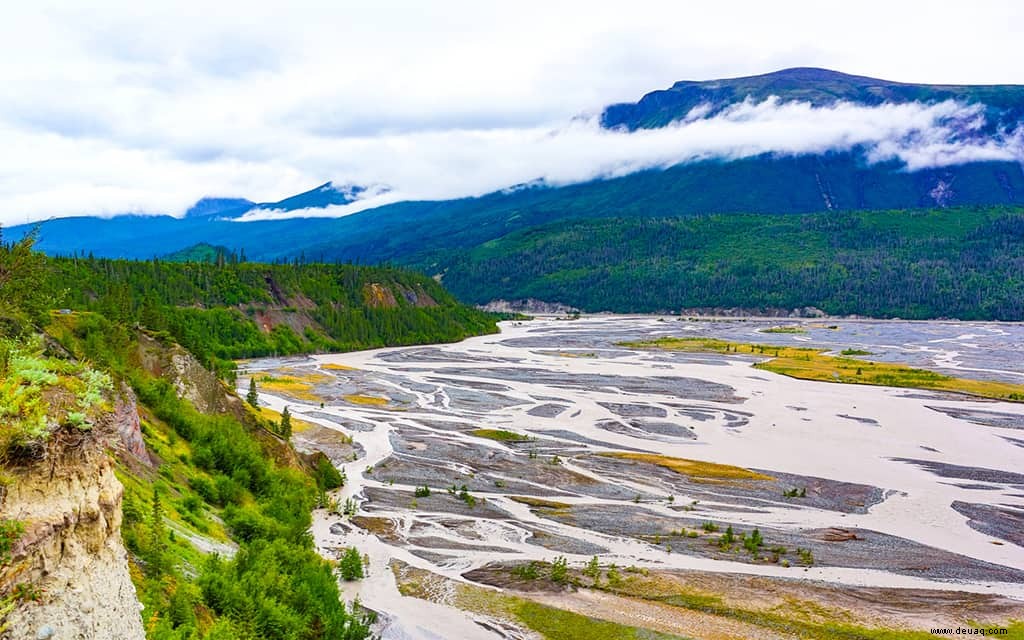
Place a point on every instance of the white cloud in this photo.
(434, 165)
(126, 107)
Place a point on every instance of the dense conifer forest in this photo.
(941, 263)
(227, 309)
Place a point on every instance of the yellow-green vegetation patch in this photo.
(305, 375)
(501, 435)
(714, 345)
(39, 393)
(789, 329)
(540, 503)
(295, 386)
(695, 469)
(814, 364)
(333, 366)
(298, 425)
(372, 401)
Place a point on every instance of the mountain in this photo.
(325, 195)
(443, 237)
(225, 207)
(820, 87)
(913, 264)
(405, 231)
(202, 252)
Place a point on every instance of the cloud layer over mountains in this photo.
(448, 164)
(114, 108)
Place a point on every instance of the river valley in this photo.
(894, 507)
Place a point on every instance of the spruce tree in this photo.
(286, 423)
(157, 537)
(253, 397)
(351, 566)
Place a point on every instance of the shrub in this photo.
(526, 571)
(327, 475)
(351, 565)
(10, 531)
(560, 570)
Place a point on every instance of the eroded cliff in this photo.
(67, 576)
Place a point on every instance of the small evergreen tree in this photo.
(253, 397)
(560, 569)
(286, 423)
(351, 566)
(157, 537)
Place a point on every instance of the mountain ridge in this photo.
(436, 235)
(820, 87)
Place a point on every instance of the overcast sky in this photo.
(124, 108)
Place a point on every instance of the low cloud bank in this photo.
(453, 164)
(101, 178)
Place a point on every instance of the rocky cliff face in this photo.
(71, 552)
(191, 380)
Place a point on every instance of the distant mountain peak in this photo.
(220, 207)
(1004, 104)
(800, 74)
(325, 195)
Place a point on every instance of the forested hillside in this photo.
(228, 309)
(964, 263)
(198, 477)
(399, 232)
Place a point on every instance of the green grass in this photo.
(501, 435)
(558, 624)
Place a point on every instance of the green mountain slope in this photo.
(240, 310)
(962, 263)
(216, 504)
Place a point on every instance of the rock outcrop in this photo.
(71, 555)
(192, 381)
